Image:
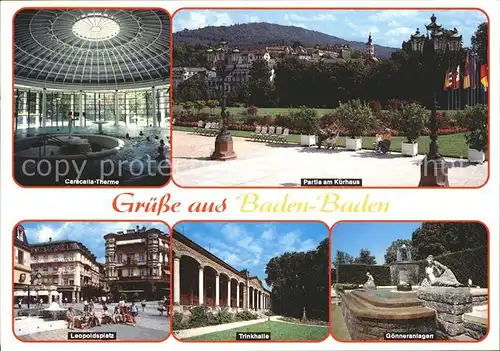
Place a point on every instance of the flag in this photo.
(448, 80)
(466, 73)
(484, 76)
(456, 78)
(473, 72)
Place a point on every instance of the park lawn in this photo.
(450, 145)
(278, 330)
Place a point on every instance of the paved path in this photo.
(150, 325)
(261, 165)
(190, 333)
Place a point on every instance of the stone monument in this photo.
(404, 271)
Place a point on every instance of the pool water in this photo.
(388, 294)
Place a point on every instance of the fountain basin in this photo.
(30, 325)
(71, 148)
(370, 317)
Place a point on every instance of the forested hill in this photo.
(255, 35)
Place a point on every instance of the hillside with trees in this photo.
(259, 35)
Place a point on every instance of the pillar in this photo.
(248, 297)
(153, 109)
(229, 292)
(217, 293)
(72, 106)
(73, 297)
(25, 103)
(254, 299)
(44, 107)
(261, 305)
(237, 294)
(127, 110)
(201, 290)
(177, 280)
(37, 110)
(78, 296)
(117, 109)
(162, 106)
(80, 108)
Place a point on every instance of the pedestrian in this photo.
(20, 303)
(143, 304)
(85, 306)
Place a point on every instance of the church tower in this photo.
(370, 48)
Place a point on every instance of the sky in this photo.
(351, 237)
(388, 27)
(250, 246)
(91, 234)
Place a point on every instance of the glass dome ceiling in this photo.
(92, 48)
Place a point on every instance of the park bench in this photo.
(283, 138)
(263, 134)
(199, 127)
(257, 131)
(270, 133)
(331, 142)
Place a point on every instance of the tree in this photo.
(192, 89)
(365, 257)
(391, 252)
(340, 258)
(438, 238)
(479, 42)
(260, 88)
(198, 105)
(212, 104)
(298, 280)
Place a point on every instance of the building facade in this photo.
(137, 263)
(67, 267)
(22, 263)
(201, 278)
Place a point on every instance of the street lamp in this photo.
(225, 62)
(433, 171)
(35, 283)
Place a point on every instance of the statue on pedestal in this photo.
(438, 274)
(370, 283)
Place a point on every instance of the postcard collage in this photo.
(190, 174)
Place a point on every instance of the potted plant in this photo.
(307, 124)
(355, 117)
(411, 119)
(477, 137)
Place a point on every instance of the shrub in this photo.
(266, 120)
(178, 322)
(411, 120)
(306, 121)
(477, 120)
(375, 106)
(356, 274)
(199, 317)
(224, 316)
(252, 111)
(354, 117)
(245, 316)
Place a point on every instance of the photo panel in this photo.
(330, 98)
(87, 281)
(91, 97)
(403, 281)
(250, 281)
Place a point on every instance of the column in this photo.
(127, 110)
(24, 117)
(261, 305)
(254, 297)
(73, 297)
(44, 107)
(117, 109)
(153, 109)
(162, 106)
(238, 294)
(229, 292)
(177, 280)
(37, 110)
(78, 296)
(217, 294)
(201, 291)
(248, 296)
(72, 105)
(80, 108)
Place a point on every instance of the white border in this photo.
(19, 204)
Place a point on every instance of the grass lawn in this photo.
(451, 145)
(278, 330)
(266, 111)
